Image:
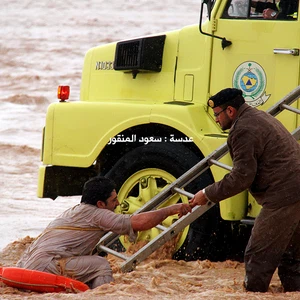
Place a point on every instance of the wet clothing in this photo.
(66, 245)
(274, 241)
(287, 8)
(266, 160)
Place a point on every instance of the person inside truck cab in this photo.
(284, 10)
(66, 245)
(266, 161)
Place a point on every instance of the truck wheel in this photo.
(144, 172)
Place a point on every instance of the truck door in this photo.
(263, 59)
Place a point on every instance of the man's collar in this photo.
(239, 113)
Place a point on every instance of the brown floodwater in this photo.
(42, 45)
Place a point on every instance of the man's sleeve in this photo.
(117, 223)
(243, 149)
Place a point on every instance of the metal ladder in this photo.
(176, 187)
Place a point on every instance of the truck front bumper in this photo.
(54, 181)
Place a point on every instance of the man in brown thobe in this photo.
(66, 245)
(266, 160)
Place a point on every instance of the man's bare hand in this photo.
(267, 14)
(181, 209)
(199, 199)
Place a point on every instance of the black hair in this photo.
(97, 189)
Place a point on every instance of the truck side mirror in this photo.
(225, 43)
(209, 5)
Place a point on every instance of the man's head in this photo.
(101, 192)
(225, 105)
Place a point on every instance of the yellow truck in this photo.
(142, 117)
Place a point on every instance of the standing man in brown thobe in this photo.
(266, 160)
(66, 245)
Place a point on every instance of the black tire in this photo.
(175, 159)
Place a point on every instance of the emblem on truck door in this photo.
(250, 77)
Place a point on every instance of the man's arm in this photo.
(243, 146)
(150, 219)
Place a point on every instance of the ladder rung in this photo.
(161, 227)
(293, 109)
(247, 222)
(113, 252)
(219, 164)
(287, 100)
(183, 192)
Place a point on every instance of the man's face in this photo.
(111, 203)
(222, 117)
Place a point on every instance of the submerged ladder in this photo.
(176, 187)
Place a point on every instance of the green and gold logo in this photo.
(250, 77)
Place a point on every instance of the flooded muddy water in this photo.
(42, 45)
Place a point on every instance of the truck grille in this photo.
(143, 54)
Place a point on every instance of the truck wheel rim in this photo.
(137, 190)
